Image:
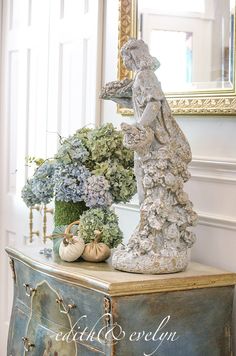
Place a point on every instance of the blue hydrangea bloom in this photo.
(40, 188)
(43, 182)
(97, 192)
(69, 182)
(27, 194)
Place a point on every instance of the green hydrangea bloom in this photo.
(106, 155)
(104, 220)
(122, 180)
(102, 153)
(107, 143)
(84, 135)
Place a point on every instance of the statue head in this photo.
(136, 56)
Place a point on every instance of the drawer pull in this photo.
(27, 344)
(28, 290)
(65, 310)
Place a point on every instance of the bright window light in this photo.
(173, 49)
(173, 5)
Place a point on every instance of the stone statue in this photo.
(160, 242)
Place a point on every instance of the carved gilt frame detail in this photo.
(198, 103)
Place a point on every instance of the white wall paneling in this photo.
(50, 79)
(23, 114)
(211, 188)
(213, 170)
(2, 261)
(74, 66)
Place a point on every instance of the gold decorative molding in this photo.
(126, 29)
(196, 106)
(217, 102)
(199, 106)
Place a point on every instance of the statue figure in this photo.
(161, 240)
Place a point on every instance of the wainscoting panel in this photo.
(213, 170)
(50, 82)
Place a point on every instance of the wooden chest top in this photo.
(103, 278)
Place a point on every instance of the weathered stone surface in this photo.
(160, 242)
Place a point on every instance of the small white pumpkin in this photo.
(72, 247)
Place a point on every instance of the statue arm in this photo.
(119, 91)
(124, 102)
(151, 96)
(150, 113)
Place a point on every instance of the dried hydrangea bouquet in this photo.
(161, 240)
(91, 171)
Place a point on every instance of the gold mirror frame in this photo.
(194, 103)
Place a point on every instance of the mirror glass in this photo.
(193, 40)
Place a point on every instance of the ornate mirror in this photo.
(195, 43)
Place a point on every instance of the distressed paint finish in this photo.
(37, 317)
(18, 325)
(71, 294)
(201, 317)
(46, 322)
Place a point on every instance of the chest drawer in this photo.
(75, 310)
(19, 322)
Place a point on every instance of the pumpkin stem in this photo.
(67, 230)
(65, 242)
(98, 236)
(68, 239)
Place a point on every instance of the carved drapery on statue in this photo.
(161, 240)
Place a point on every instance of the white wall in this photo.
(50, 69)
(212, 187)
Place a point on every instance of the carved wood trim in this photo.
(207, 105)
(107, 310)
(126, 29)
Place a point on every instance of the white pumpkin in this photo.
(71, 249)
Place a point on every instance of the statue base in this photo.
(165, 261)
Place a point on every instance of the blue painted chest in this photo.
(86, 309)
